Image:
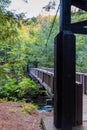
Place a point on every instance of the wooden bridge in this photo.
(62, 84)
(45, 77)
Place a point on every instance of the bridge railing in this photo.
(46, 78)
(82, 78)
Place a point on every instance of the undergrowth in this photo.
(29, 108)
(14, 92)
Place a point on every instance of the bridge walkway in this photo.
(46, 78)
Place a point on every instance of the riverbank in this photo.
(12, 118)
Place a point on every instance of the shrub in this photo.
(13, 91)
(29, 87)
(31, 108)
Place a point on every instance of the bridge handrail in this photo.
(46, 77)
(82, 78)
(43, 70)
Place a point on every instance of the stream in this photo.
(44, 103)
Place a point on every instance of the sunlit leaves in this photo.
(81, 48)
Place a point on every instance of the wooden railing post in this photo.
(85, 83)
(78, 104)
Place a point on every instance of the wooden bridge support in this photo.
(64, 81)
(64, 71)
(65, 91)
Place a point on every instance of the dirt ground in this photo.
(11, 118)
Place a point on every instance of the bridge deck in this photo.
(84, 126)
(46, 78)
(84, 107)
(47, 121)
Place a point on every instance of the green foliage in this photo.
(13, 91)
(43, 93)
(81, 47)
(39, 51)
(4, 3)
(29, 87)
(31, 108)
(79, 16)
(14, 55)
(82, 61)
(3, 100)
(23, 41)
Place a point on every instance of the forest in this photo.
(25, 42)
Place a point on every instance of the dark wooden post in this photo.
(66, 93)
(68, 80)
(57, 81)
(64, 71)
(65, 15)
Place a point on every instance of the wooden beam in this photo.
(64, 81)
(65, 14)
(80, 4)
(79, 27)
(68, 80)
(79, 30)
(81, 23)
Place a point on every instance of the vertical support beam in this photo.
(64, 81)
(65, 14)
(65, 114)
(57, 81)
(68, 80)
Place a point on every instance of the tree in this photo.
(81, 47)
